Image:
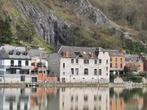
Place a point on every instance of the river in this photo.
(84, 98)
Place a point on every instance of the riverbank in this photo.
(109, 85)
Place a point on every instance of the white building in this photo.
(80, 64)
(84, 99)
(15, 65)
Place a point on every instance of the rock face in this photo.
(83, 7)
(56, 31)
(46, 24)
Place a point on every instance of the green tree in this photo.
(25, 31)
(5, 30)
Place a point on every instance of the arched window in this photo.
(85, 71)
(95, 71)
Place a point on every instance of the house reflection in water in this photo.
(123, 100)
(25, 99)
(39, 100)
(71, 99)
(84, 99)
(15, 99)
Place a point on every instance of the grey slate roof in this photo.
(11, 52)
(82, 52)
(116, 53)
(133, 58)
(37, 53)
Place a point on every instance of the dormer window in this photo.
(18, 53)
(11, 52)
(25, 53)
(86, 61)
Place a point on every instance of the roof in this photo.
(133, 58)
(37, 53)
(82, 52)
(12, 52)
(116, 53)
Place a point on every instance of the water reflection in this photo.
(73, 99)
(84, 99)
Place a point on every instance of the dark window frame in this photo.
(12, 62)
(86, 71)
(26, 63)
(95, 71)
(72, 60)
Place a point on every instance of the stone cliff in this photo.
(72, 22)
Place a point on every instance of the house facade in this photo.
(117, 61)
(80, 64)
(134, 63)
(39, 63)
(15, 65)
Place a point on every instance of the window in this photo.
(63, 65)
(85, 71)
(25, 72)
(25, 106)
(11, 71)
(63, 73)
(106, 68)
(32, 64)
(72, 60)
(11, 106)
(100, 61)
(100, 71)
(115, 65)
(77, 71)
(76, 98)
(95, 61)
(63, 79)
(77, 60)
(26, 62)
(19, 63)
(12, 62)
(116, 59)
(22, 78)
(71, 98)
(121, 59)
(72, 71)
(34, 79)
(86, 61)
(111, 59)
(95, 98)
(85, 98)
(95, 71)
(34, 90)
(106, 61)
(100, 98)
(121, 66)
(110, 65)
(18, 106)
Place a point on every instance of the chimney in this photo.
(66, 54)
(92, 55)
(97, 51)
